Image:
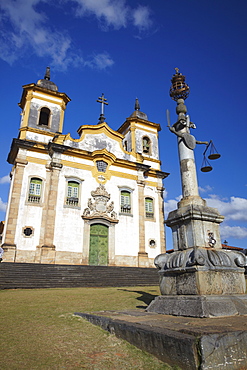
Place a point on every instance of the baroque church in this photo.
(96, 200)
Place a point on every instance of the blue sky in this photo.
(128, 49)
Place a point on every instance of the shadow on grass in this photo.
(145, 297)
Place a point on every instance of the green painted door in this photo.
(98, 249)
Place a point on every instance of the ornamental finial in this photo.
(47, 74)
(137, 104)
(179, 89)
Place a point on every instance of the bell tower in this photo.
(42, 108)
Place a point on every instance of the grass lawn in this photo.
(39, 331)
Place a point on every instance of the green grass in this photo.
(39, 331)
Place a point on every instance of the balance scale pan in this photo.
(206, 169)
(214, 156)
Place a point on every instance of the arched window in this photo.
(146, 145)
(35, 187)
(149, 207)
(125, 201)
(44, 116)
(72, 198)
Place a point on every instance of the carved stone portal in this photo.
(99, 207)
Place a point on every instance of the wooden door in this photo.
(98, 248)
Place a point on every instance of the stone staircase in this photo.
(31, 275)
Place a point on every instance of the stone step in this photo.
(30, 275)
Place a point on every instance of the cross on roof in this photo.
(103, 101)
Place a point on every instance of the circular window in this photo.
(152, 243)
(28, 231)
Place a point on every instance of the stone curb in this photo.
(195, 348)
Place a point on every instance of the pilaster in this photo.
(46, 250)
(142, 255)
(9, 245)
(161, 220)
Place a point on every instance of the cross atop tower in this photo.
(103, 101)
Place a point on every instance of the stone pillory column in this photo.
(199, 278)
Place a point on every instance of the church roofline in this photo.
(83, 129)
(131, 120)
(34, 87)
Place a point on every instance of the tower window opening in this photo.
(44, 116)
(146, 145)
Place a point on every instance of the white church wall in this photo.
(29, 215)
(154, 142)
(34, 136)
(92, 142)
(152, 227)
(127, 234)
(69, 223)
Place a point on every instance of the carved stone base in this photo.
(201, 271)
(200, 306)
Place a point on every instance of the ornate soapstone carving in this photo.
(211, 241)
(200, 257)
(98, 207)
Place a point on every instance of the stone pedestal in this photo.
(199, 279)
(201, 282)
(194, 224)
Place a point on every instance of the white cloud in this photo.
(3, 205)
(115, 13)
(171, 205)
(233, 232)
(100, 61)
(141, 17)
(110, 12)
(206, 189)
(233, 209)
(4, 179)
(25, 29)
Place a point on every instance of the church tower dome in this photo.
(46, 83)
(43, 108)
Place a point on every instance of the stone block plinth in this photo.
(143, 260)
(9, 252)
(48, 254)
(200, 305)
(195, 225)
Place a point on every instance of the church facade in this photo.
(95, 200)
